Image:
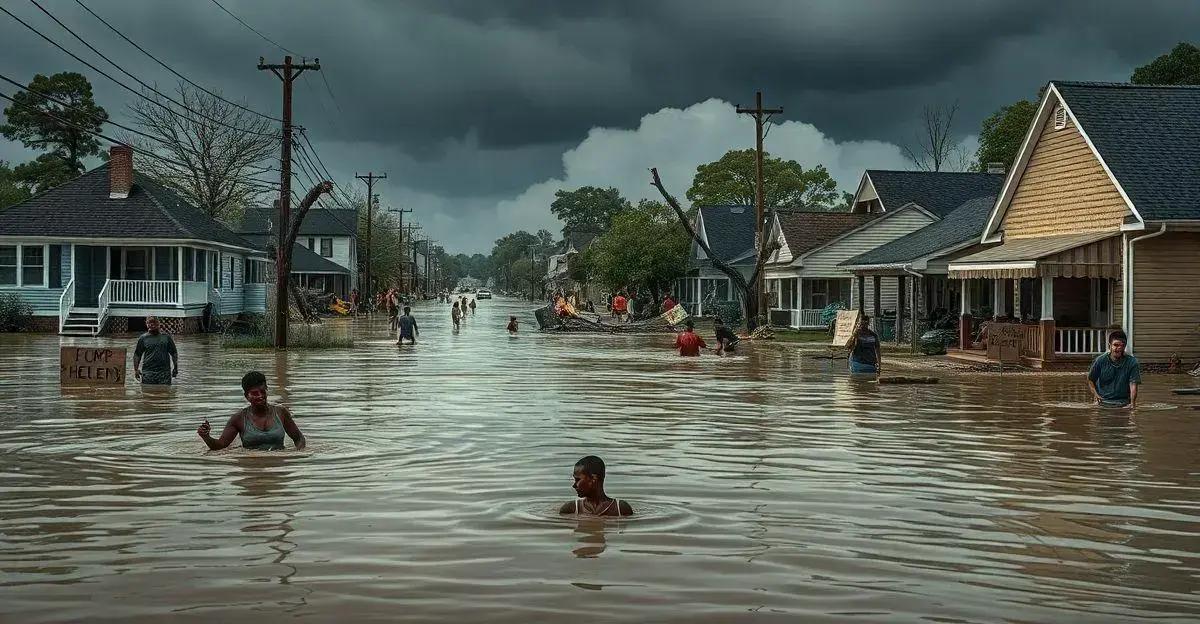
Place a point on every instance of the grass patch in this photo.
(299, 337)
(796, 335)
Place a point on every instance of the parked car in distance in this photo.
(483, 293)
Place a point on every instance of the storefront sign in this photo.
(87, 366)
(847, 323)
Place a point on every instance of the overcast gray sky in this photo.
(479, 110)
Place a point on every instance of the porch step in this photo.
(80, 323)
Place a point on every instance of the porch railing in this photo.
(1031, 341)
(809, 318)
(144, 292)
(1079, 340)
(64, 304)
(103, 302)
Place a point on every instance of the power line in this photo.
(110, 77)
(330, 90)
(167, 67)
(253, 30)
(329, 176)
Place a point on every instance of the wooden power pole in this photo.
(370, 180)
(287, 73)
(401, 244)
(760, 115)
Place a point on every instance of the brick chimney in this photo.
(120, 171)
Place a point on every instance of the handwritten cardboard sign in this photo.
(843, 328)
(1004, 342)
(675, 315)
(89, 366)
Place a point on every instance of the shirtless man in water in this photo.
(589, 485)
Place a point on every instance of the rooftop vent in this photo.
(737, 209)
(995, 167)
(1060, 118)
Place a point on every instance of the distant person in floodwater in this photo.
(588, 477)
(355, 301)
(620, 306)
(260, 424)
(472, 307)
(392, 302)
(455, 315)
(155, 358)
(864, 349)
(688, 341)
(590, 307)
(668, 303)
(726, 340)
(512, 325)
(408, 327)
(1114, 376)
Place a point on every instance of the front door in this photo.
(91, 271)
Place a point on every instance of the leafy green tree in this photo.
(41, 123)
(1180, 66)
(1001, 135)
(588, 208)
(507, 250)
(731, 181)
(44, 172)
(12, 191)
(645, 247)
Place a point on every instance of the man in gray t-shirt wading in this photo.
(155, 360)
(1114, 376)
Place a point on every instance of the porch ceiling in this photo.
(1093, 254)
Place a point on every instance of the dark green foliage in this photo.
(15, 314)
(1181, 66)
(1002, 133)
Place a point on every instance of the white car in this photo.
(483, 293)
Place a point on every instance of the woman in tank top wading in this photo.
(588, 477)
(260, 424)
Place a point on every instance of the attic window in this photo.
(1060, 118)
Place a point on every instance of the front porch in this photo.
(1062, 291)
(798, 302)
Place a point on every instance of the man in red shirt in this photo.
(620, 306)
(668, 303)
(688, 342)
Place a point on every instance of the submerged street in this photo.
(769, 486)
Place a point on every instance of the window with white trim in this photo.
(327, 247)
(33, 265)
(8, 265)
(1060, 117)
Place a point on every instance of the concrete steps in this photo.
(81, 323)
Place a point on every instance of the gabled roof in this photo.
(960, 227)
(806, 230)
(81, 208)
(318, 221)
(1149, 136)
(938, 192)
(729, 230)
(304, 260)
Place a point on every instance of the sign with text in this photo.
(675, 315)
(89, 366)
(1004, 342)
(843, 328)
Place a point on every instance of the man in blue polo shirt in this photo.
(1114, 376)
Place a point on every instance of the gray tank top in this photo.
(269, 439)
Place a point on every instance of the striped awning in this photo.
(1093, 254)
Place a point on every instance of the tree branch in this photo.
(735, 275)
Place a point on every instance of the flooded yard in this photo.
(769, 487)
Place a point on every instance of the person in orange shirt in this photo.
(620, 306)
(688, 341)
(668, 303)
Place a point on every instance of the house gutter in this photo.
(1128, 282)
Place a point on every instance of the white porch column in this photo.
(179, 272)
(999, 306)
(964, 298)
(1047, 299)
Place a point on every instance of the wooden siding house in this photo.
(729, 232)
(325, 256)
(1098, 226)
(103, 251)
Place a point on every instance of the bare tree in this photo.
(745, 286)
(217, 162)
(935, 148)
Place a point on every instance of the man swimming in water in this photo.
(589, 484)
(260, 424)
(408, 327)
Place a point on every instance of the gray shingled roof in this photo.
(962, 225)
(81, 208)
(939, 192)
(304, 260)
(318, 221)
(1150, 138)
(730, 230)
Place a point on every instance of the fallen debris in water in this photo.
(908, 380)
(1186, 390)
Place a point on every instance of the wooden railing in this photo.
(1031, 344)
(103, 301)
(144, 292)
(64, 304)
(1080, 340)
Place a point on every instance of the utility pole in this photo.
(401, 213)
(412, 241)
(531, 250)
(287, 72)
(761, 115)
(428, 264)
(370, 180)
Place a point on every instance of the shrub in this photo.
(15, 313)
(730, 312)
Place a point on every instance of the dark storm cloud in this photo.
(478, 99)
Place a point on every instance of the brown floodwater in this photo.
(769, 487)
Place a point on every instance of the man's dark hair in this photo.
(253, 379)
(592, 465)
(1118, 335)
(689, 324)
(407, 309)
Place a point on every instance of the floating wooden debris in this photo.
(1186, 391)
(908, 380)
